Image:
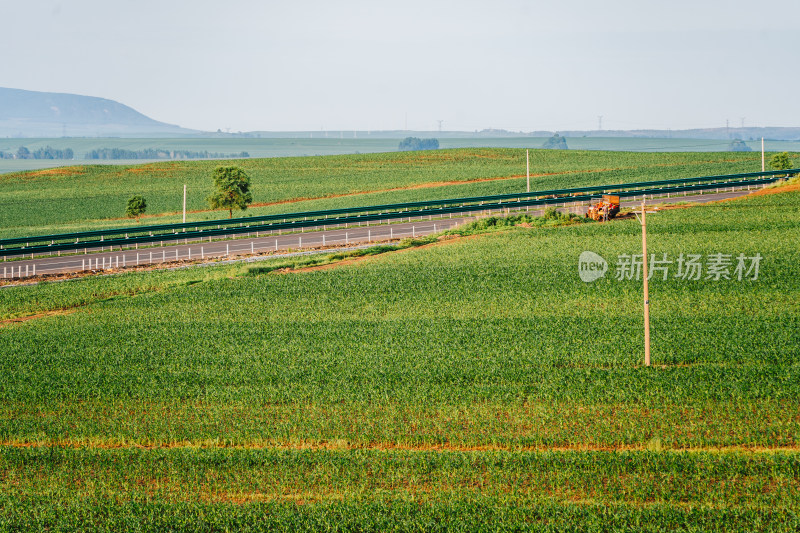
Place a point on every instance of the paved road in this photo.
(96, 261)
(194, 250)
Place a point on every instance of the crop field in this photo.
(82, 197)
(472, 383)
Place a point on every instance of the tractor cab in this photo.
(603, 208)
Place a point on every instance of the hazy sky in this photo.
(351, 64)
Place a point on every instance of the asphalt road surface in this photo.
(275, 243)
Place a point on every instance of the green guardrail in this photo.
(587, 194)
(164, 229)
(173, 228)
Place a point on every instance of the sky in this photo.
(295, 65)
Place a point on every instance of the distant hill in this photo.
(40, 114)
(745, 134)
(727, 134)
(52, 115)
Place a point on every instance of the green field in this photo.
(475, 384)
(92, 197)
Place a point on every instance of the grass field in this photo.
(473, 384)
(92, 197)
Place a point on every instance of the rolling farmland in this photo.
(83, 197)
(473, 384)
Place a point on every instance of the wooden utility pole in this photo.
(528, 170)
(184, 203)
(646, 290)
(762, 154)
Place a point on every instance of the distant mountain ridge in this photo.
(51, 115)
(43, 114)
(745, 134)
(726, 134)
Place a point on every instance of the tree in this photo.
(738, 145)
(556, 142)
(780, 161)
(410, 144)
(136, 207)
(23, 153)
(233, 190)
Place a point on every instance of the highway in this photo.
(270, 243)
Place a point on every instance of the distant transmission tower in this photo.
(440, 125)
(599, 122)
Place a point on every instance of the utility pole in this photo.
(646, 291)
(528, 170)
(762, 155)
(184, 203)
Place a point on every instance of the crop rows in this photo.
(368, 490)
(427, 389)
(468, 323)
(92, 197)
(481, 514)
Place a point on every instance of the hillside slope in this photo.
(41, 114)
(90, 197)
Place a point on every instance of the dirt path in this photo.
(448, 240)
(9, 321)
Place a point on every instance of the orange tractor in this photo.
(605, 209)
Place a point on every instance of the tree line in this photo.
(556, 142)
(153, 153)
(48, 152)
(410, 144)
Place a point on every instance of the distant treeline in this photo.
(556, 142)
(738, 145)
(48, 152)
(413, 143)
(152, 153)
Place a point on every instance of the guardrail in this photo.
(132, 236)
